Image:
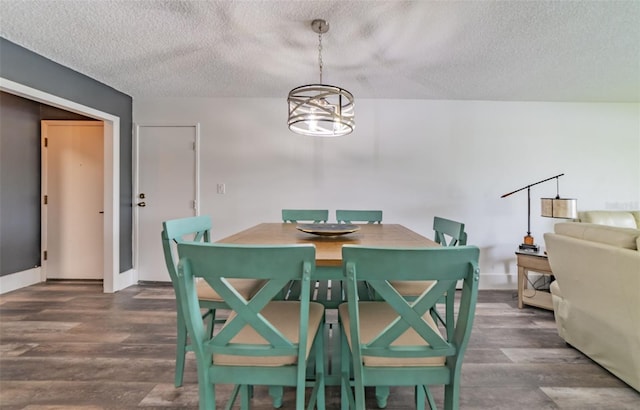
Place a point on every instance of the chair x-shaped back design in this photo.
(265, 340)
(396, 341)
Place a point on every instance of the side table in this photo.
(536, 262)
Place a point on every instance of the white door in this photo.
(73, 190)
(165, 188)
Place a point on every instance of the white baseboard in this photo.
(126, 279)
(30, 277)
(19, 280)
(498, 281)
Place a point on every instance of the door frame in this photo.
(112, 279)
(136, 180)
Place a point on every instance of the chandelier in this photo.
(320, 110)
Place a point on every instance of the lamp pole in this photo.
(528, 239)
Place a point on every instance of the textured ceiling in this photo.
(481, 50)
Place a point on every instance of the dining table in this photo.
(328, 275)
(329, 248)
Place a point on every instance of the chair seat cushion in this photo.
(411, 288)
(246, 287)
(374, 317)
(285, 316)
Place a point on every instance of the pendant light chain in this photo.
(320, 55)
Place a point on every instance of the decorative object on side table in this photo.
(551, 207)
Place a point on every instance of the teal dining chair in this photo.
(305, 215)
(265, 340)
(196, 228)
(396, 342)
(448, 232)
(353, 215)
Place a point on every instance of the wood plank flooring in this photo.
(67, 345)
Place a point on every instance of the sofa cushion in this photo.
(627, 238)
(622, 219)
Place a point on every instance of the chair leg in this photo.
(300, 392)
(359, 394)
(244, 397)
(452, 394)
(276, 393)
(382, 394)
(430, 399)
(206, 390)
(320, 399)
(232, 398)
(312, 360)
(358, 386)
(346, 397)
(420, 397)
(181, 345)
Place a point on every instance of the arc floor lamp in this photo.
(550, 207)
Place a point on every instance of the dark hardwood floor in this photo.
(67, 345)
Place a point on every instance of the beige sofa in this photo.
(622, 219)
(596, 294)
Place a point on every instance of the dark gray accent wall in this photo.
(20, 179)
(19, 184)
(28, 68)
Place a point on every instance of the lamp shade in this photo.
(559, 207)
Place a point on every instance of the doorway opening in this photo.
(112, 279)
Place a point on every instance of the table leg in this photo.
(521, 282)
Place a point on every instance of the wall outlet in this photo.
(222, 188)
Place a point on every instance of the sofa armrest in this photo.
(596, 297)
(601, 277)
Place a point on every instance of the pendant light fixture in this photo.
(320, 110)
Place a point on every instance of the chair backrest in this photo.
(305, 215)
(448, 232)
(195, 228)
(215, 263)
(444, 266)
(352, 215)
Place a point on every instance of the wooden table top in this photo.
(329, 248)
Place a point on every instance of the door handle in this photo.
(142, 204)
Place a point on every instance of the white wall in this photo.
(415, 159)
